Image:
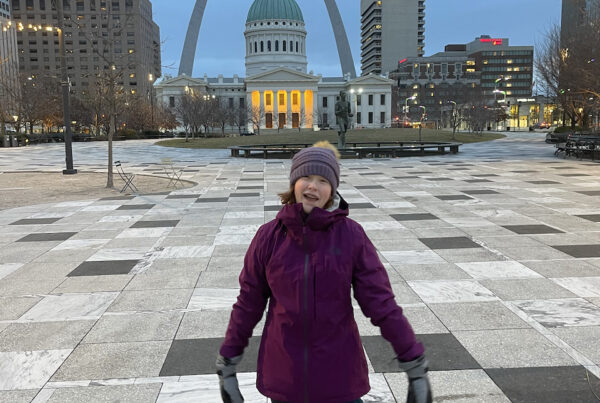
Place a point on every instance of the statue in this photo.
(343, 113)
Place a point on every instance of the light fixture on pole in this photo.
(423, 116)
(64, 82)
(151, 92)
(406, 107)
(504, 103)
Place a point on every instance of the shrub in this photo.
(567, 129)
(128, 134)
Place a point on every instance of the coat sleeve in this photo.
(374, 294)
(252, 300)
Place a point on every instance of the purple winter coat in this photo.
(305, 268)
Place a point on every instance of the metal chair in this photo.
(173, 173)
(127, 178)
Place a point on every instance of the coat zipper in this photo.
(305, 314)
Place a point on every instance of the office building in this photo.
(9, 58)
(574, 14)
(135, 49)
(391, 30)
(487, 67)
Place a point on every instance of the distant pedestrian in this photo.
(305, 264)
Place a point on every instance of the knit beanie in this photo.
(316, 160)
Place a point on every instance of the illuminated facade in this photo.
(277, 91)
(391, 30)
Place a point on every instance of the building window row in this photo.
(271, 46)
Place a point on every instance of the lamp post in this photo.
(406, 107)
(64, 82)
(151, 92)
(423, 115)
(453, 121)
(504, 103)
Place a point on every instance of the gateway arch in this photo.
(186, 64)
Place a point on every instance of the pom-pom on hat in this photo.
(320, 159)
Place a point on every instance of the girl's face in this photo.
(312, 191)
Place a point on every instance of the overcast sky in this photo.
(221, 41)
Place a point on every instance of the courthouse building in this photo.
(277, 85)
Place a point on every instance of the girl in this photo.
(305, 264)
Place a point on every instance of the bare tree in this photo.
(568, 70)
(239, 118)
(256, 116)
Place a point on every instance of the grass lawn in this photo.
(309, 136)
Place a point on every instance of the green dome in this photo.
(274, 10)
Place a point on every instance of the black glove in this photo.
(230, 389)
(419, 390)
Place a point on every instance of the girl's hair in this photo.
(289, 197)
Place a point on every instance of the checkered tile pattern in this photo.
(494, 254)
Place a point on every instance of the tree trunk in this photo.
(111, 131)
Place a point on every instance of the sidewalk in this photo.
(494, 254)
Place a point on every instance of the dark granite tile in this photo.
(249, 171)
(458, 169)
(590, 192)
(118, 198)
(358, 168)
(477, 180)
(413, 217)
(523, 171)
(418, 172)
(213, 200)
(573, 175)
(273, 208)
(45, 237)
(546, 384)
(454, 197)
(484, 175)
(155, 224)
(361, 205)
(444, 353)
(480, 192)
(579, 251)
(136, 207)
(562, 167)
(407, 177)
(36, 221)
(590, 217)
(103, 268)
(251, 179)
(458, 242)
(191, 357)
(370, 187)
(544, 182)
(183, 196)
(244, 194)
(439, 179)
(532, 229)
(250, 187)
(370, 173)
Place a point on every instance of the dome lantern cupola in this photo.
(275, 37)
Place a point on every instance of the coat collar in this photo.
(293, 217)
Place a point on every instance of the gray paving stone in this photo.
(477, 316)
(531, 288)
(563, 268)
(88, 284)
(17, 396)
(35, 221)
(116, 393)
(18, 288)
(443, 271)
(12, 308)
(151, 300)
(44, 335)
(155, 224)
(147, 326)
(113, 360)
(176, 278)
(512, 348)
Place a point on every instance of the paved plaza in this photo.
(494, 254)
